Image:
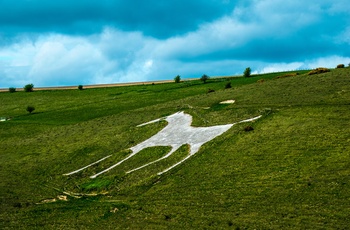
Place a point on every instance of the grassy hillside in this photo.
(292, 171)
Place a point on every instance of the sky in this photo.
(82, 42)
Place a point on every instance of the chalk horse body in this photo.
(177, 133)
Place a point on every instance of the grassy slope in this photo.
(292, 171)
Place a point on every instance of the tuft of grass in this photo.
(96, 184)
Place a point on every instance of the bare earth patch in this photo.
(228, 102)
(2, 119)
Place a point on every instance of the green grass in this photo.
(291, 172)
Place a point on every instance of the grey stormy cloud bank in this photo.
(52, 43)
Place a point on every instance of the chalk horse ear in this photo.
(159, 119)
(150, 122)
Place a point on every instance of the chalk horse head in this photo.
(178, 132)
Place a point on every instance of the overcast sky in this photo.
(65, 42)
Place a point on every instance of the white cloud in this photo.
(58, 59)
(225, 33)
(277, 67)
(328, 62)
(112, 56)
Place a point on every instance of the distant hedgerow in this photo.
(318, 71)
(287, 75)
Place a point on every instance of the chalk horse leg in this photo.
(194, 148)
(174, 148)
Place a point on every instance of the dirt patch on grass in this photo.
(228, 102)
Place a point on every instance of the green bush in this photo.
(247, 72)
(80, 87)
(204, 78)
(177, 79)
(12, 89)
(30, 109)
(228, 85)
(340, 66)
(28, 88)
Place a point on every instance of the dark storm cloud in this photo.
(154, 18)
(87, 42)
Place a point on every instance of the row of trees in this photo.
(30, 88)
(27, 88)
(177, 79)
(204, 78)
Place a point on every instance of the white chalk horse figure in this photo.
(177, 133)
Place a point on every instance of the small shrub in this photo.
(17, 205)
(28, 88)
(30, 109)
(247, 72)
(228, 85)
(177, 79)
(248, 128)
(340, 66)
(204, 78)
(318, 71)
(210, 91)
(12, 89)
(80, 87)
